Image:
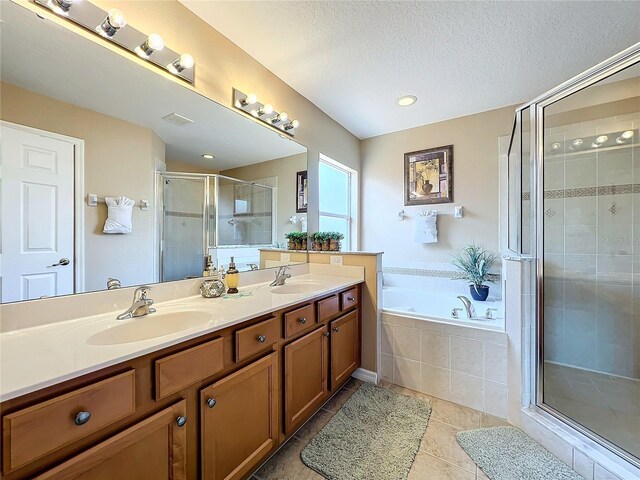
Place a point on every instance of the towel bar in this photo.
(93, 200)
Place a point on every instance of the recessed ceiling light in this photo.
(208, 156)
(407, 100)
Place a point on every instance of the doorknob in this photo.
(61, 263)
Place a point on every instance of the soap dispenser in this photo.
(233, 277)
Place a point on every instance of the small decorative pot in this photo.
(325, 245)
(298, 245)
(479, 292)
(317, 246)
(334, 245)
(303, 244)
(291, 245)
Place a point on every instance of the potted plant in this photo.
(291, 242)
(475, 263)
(334, 241)
(315, 242)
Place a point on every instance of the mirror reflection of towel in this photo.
(426, 228)
(119, 210)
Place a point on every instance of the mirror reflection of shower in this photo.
(204, 215)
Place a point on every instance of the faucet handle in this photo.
(141, 293)
(489, 313)
(454, 312)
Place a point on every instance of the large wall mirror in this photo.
(82, 126)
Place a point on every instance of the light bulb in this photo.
(61, 7)
(250, 99)
(627, 135)
(577, 142)
(115, 21)
(281, 117)
(292, 124)
(601, 139)
(265, 110)
(117, 18)
(555, 146)
(183, 62)
(153, 43)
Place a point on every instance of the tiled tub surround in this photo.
(462, 364)
(592, 251)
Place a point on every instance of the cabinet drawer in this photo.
(255, 338)
(328, 307)
(349, 299)
(177, 371)
(299, 320)
(45, 427)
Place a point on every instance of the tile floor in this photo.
(439, 457)
(606, 404)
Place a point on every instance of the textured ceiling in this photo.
(353, 59)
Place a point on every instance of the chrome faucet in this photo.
(468, 306)
(113, 283)
(140, 306)
(281, 276)
(252, 266)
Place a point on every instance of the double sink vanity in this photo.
(201, 388)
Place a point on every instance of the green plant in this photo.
(335, 235)
(475, 262)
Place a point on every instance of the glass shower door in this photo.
(183, 227)
(591, 259)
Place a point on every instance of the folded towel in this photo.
(119, 210)
(426, 228)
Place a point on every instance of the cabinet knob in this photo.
(351, 299)
(303, 320)
(211, 402)
(336, 329)
(326, 334)
(82, 418)
(181, 421)
(262, 338)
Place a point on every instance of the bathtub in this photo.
(437, 307)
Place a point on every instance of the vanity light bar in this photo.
(249, 103)
(112, 25)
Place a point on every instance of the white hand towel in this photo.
(426, 228)
(119, 210)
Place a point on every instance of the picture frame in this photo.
(428, 176)
(301, 192)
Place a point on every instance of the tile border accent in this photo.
(588, 191)
(423, 272)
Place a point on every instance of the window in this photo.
(338, 196)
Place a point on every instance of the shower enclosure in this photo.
(574, 215)
(202, 215)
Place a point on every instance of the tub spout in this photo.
(468, 306)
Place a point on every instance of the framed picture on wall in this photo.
(428, 176)
(301, 192)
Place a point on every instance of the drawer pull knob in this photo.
(262, 338)
(211, 402)
(82, 418)
(181, 421)
(326, 334)
(336, 329)
(351, 299)
(303, 320)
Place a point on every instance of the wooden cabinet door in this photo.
(345, 348)
(305, 377)
(239, 420)
(152, 449)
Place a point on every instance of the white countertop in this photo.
(41, 356)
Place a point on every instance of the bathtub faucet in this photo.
(468, 306)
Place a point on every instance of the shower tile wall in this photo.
(592, 250)
(254, 228)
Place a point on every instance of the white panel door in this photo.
(37, 215)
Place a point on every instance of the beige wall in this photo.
(285, 169)
(221, 65)
(475, 187)
(118, 160)
(178, 166)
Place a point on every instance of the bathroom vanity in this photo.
(214, 406)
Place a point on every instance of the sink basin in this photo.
(150, 326)
(296, 288)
